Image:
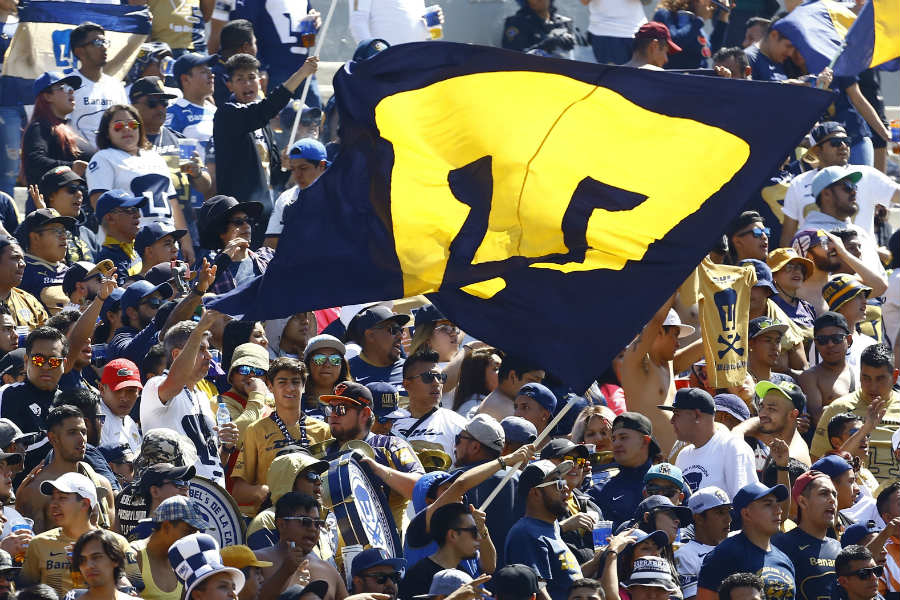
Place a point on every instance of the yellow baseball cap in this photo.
(241, 557)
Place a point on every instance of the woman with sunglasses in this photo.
(433, 331)
(478, 377)
(324, 357)
(49, 141)
(789, 271)
(126, 161)
(226, 228)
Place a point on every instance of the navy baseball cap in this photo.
(733, 405)
(375, 557)
(692, 398)
(139, 290)
(755, 491)
(309, 149)
(114, 298)
(374, 315)
(652, 504)
(369, 48)
(50, 77)
(116, 199)
(832, 465)
(81, 270)
(763, 273)
(385, 400)
(152, 233)
(427, 314)
(831, 319)
(854, 534)
(39, 218)
(540, 394)
(824, 130)
(188, 61)
(518, 430)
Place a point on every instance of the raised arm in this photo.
(183, 366)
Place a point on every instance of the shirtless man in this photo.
(298, 520)
(817, 248)
(647, 369)
(513, 374)
(67, 434)
(780, 405)
(833, 377)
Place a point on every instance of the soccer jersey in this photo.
(688, 559)
(813, 562)
(91, 101)
(43, 280)
(145, 174)
(538, 544)
(192, 121)
(442, 427)
(178, 24)
(264, 439)
(738, 554)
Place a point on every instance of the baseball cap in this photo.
(117, 454)
(655, 30)
(116, 199)
(250, 355)
(806, 240)
(10, 432)
(152, 233)
(195, 558)
(121, 373)
(706, 498)
(780, 257)
(831, 319)
(748, 217)
(50, 77)
(41, 217)
(13, 362)
(540, 394)
(659, 537)
(654, 503)
(375, 315)
(445, 582)
(308, 149)
(188, 61)
(139, 290)
(56, 178)
(561, 447)
(786, 389)
(8, 569)
(375, 557)
(665, 471)
(149, 86)
(733, 405)
(673, 320)
(754, 491)
(323, 341)
(842, 288)
(180, 508)
(651, 571)
(518, 430)
(763, 273)
(368, 48)
(804, 480)
(761, 325)
(540, 471)
(349, 391)
(637, 422)
(241, 557)
(854, 534)
(831, 465)
(831, 175)
(824, 130)
(487, 431)
(428, 313)
(78, 271)
(114, 299)
(161, 472)
(517, 580)
(72, 483)
(692, 399)
(385, 400)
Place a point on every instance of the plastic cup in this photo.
(186, 148)
(602, 532)
(682, 382)
(28, 525)
(307, 33)
(433, 21)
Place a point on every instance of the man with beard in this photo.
(764, 349)
(817, 247)
(299, 523)
(395, 463)
(780, 405)
(380, 358)
(67, 433)
(120, 388)
(458, 538)
(808, 545)
(81, 283)
(375, 571)
(87, 400)
(833, 376)
(877, 377)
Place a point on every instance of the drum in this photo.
(362, 512)
(220, 511)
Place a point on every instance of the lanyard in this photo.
(304, 442)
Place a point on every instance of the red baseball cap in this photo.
(654, 30)
(121, 373)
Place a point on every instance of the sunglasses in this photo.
(430, 377)
(307, 521)
(757, 232)
(153, 302)
(866, 573)
(240, 221)
(558, 483)
(248, 370)
(392, 329)
(72, 189)
(473, 530)
(179, 483)
(848, 186)
(63, 87)
(127, 210)
(853, 432)
(382, 578)
(308, 122)
(579, 461)
(334, 359)
(668, 492)
(152, 103)
(341, 409)
(312, 476)
(836, 142)
(53, 362)
(99, 42)
(460, 437)
(834, 338)
(120, 125)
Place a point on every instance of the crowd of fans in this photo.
(120, 391)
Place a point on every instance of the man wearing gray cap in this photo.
(518, 432)
(711, 508)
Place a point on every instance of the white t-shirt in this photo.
(441, 427)
(91, 101)
(616, 18)
(688, 559)
(286, 197)
(725, 461)
(189, 414)
(874, 188)
(118, 431)
(890, 310)
(145, 174)
(396, 21)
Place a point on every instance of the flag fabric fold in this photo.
(547, 207)
(817, 28)
(873, 40)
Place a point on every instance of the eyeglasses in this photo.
(834, 338)
(248, 370)
(63, 87)
(381, 578)
(865, 573)
(836, 142)
(473, 530)
(392, 329)
(240, 221)
(460, 437)
(152, 103)
(794, 266)
(312, 476)
(848, 185)
(127, 210)
(307, 521)
(430, 377)
(152, 302)
(579, 461)
(447, 328)
(334, 359)
(72, 189)
(341, 409)
(757, 232)
(99, 42)
(52, 362)
(130, 124)
(661, 490)
(558, 483)
(179, 483)
(59, 232)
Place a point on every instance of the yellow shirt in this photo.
(881, 462)
(179, 24)
(262, 442)
(48, 560)
(25, 308)
(148, 588)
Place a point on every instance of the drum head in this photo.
(226, 524)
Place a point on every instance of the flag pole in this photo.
(320, 39)
(512, 471)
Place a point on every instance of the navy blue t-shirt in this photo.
(738, 554)
(364, 372)
(762, 68)
(813, 562)
(843, 111)
(539, 545)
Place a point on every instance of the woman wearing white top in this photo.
(127, 162)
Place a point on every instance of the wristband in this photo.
(502, 462)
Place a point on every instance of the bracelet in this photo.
(195, 290)
(502, 462)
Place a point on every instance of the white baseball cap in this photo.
(72, 483)
(706, 498)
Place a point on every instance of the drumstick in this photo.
(537, 443)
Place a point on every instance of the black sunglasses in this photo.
(381, 578)
(152, 103)
(312, 476)
(473, 530)
(838, 141)
(834, 338)
(430, 377)
(240, 221)
(72, 189)
(865, 573)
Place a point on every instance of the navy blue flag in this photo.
(548, 207)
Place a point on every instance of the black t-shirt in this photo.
(813, 562)
(418, 579)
